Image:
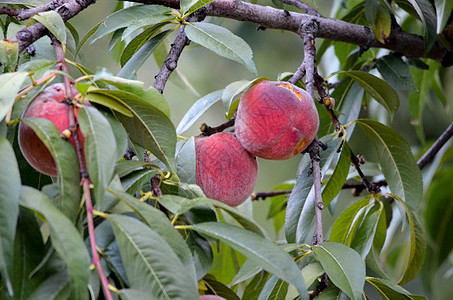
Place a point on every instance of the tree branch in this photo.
(171, 61)
(411, 45)
(24, 14)
(304, 7)
(67, 10)
(438, 144)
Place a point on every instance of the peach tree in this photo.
(104, 196)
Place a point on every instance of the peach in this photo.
(225, 171)
(276, 120)
(211, 297)
(50, 105)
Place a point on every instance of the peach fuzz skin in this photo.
(211, 297)
(276, 120)
(225, 171)
(48, 105)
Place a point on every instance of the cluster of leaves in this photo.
(179, 244)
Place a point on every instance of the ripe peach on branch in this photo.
(225, 171)
(50, 104)
(276, 120)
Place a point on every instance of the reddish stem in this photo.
(96, 261)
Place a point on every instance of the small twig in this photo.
(264, 195)
(85, 182)
(319, 205)
(171, 62)
(207, 130)
(438, 144)
(24, 14)
(371, 187)
(298, 75)
(304, 7)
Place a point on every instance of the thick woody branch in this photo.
(67, 10)
(410, 45)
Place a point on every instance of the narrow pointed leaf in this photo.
(65, 239)
(180, 205)
(344, 267)
(189, 6)
(338, 178)
(443, 10)
(10, 84)
(150, 262)
(222, 42)
(54, 23)
(9, 210)
(109, 102)
(159, 222)
(65, 159)
(389, 290)
(100, 149)
(197, 110)
(396, 161)
(52, 287)
(426, 12)
(417, 245)
(141, 14)
(396, 73)
(259, 250)
(377, 88)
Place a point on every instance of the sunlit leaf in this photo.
(344, 266)
(222, 42)
(9, 54)
(259, 250)
(197, 110)
(396, 161)
(443, 10)
(9, 86)
(54, 23)
(377, 88)
(189, 6)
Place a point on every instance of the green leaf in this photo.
(300, 211)
(345, 225)
(338, 178)
(258, 250)
(439, 216)
(10, 84)
(65, 239)
(53, 287)
(32, 250)
(443, 11)
(222, 42)
(107, 101)
(137, 60)
(54, 23)
(383, 25)
(150, 263)
(426, 12)
(9, 210)
(159, 222)
(132, 16)
(377, 88)
(86, 37)
(389, 290)
(186, 161)
(311, 272)
(417, 245)
(371, 11)
(197, 110)
(66, 162)
(396, 161)
(100, 149)
(180, 205)
(9, 54)
(132, 294)
(150, 128)
(136, 180)
(274, 289)
(189, 6)
(231, 93)
(128, 166)
(396, 73)
(344, 266)
(364, 237)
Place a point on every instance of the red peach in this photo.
(50, 105)
(276, 120)
(225, 171)
(211, 297)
